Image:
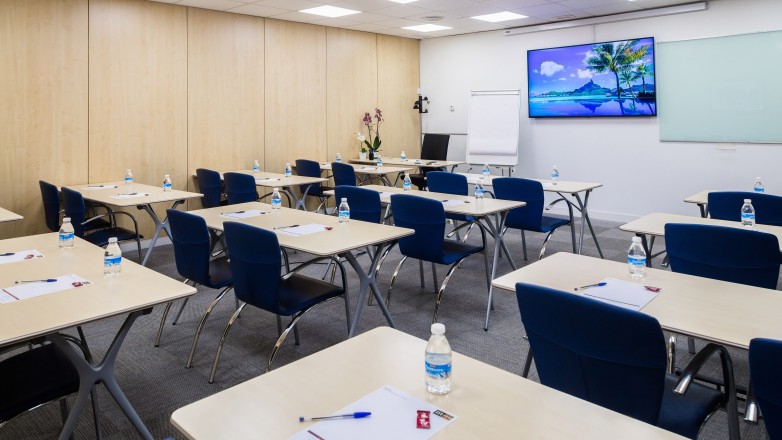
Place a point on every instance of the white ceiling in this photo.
(387, 17)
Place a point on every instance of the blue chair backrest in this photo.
(765, 357)
(51, 205)
(435, 146)
(308, 168)
(240, 188)
(364, 203)
(427, 218)
(447, 183)
(527, 217)
(211, 187)
(255, 264)
(73, 202)
(607, 355)
(344, 174)
(723, 253)
(192, 245)
(726, 205)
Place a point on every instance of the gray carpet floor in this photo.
(157, 382)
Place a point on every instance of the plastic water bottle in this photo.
(112, 259)
(276, 199)
(344, 211)
(403, 156)
(636, 259)
(407, 185)
(379, 160)
(554, 175)
(166, 183)
(288, 171)
(438, 361)
(128, 177)
(338, 159)
(256, 166)
(748, 214)
(66, 234)
(478, 191)
(486, 170)
(759, 188)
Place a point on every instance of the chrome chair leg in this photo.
(222, 340)
(691, 344)
(442, 289)
(279, 325)
(545, 242)
(421, 272)
(467, 232)
(162, 323)
(527, 362)
(524, 244)
(204, 317)
(434, 277)
(179, 313)
(393, 278)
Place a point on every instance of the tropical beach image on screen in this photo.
(614, 78)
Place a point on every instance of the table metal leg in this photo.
(159, 226)
(498, 233)
(702, 207)
(103, 372)
(585, 219)
(299, 201)
(645, 245)
(368, 283)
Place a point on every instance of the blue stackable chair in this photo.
(617, 358)
(427, 218)
(311, 168)
(256, 262)
(529, 217)
(765, 357)
(51, 205)
(723, 253)
(75, 208)
(192, 253)
(240, 188)
(726, 205)
(344, 174)
(211, 186)
(451, 183)
(364, 203)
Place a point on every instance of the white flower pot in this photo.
(362, 156)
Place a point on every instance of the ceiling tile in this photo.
(335, 22)
(367, 17)
(368, 27)
(587, 4)
(404, 11)
(361, 5)
(219, 5)
(515, 4)
(445, 5)
(290, 5)
(299, 16)
(258, 10)
(613, 9)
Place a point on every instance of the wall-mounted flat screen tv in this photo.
(615, 78)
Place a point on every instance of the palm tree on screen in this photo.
(615, 57)
(644, 70)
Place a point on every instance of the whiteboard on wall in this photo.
(723, 89)
(493, 127)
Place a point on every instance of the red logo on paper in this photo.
(422, 421)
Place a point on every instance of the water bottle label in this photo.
(339, 160)
(344, 215)
(636, 261)
(167, 186)
(407, 186)
(276, 203)
(112, 261)
(486, 172)
(256, 169)
(442, 371)
(760, 190)
(287, 172)
(747, 217)
(128, 180)
(554, 175)
(66, 236)
(478, 192)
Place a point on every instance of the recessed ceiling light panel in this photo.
(426, 28)
(330, 11)
(404, 1)
(499, 16)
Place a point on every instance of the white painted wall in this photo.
(640, 174)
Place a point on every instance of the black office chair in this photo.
(434, 147)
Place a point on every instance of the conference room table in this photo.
(8, 216)
(122, 195)
(133, 293)
(702, 200)
(366, 172)
(420, 163)
(654, 225)
(488, 402)
(286, 183)
(333, 238)
(718, 311)
(487, 209)
(562, 188)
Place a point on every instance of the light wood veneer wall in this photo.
(92, 87)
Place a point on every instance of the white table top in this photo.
(156, 194)
(8, 216)
(563, 186)
(135, 288)
(473, 207)
(413, 162)
(489, 402)
(700, 198)
(654, 224)
(369, 168)
(281, 179)
(726, 313)
(342, 238)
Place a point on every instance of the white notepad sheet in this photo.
(447, 203)
(300, 230)
(243, 214)
(98, 187)
(626, 294)
(129, 195)
(267, 179)
(27, 254)
(19, 292)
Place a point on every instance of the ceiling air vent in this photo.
(432, 18)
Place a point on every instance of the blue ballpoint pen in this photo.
(590, 285)
(48, 280)
(355, 415)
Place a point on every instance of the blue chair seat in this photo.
(101, 237)
(301, 292)
(548, 224)
(683, 415)
(454, 250)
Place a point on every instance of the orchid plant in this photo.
(372, 141)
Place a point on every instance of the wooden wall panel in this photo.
(351, 87)
(225, 91)
(397, 82)
(43, 104)
(138, 93)
(295, 93)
